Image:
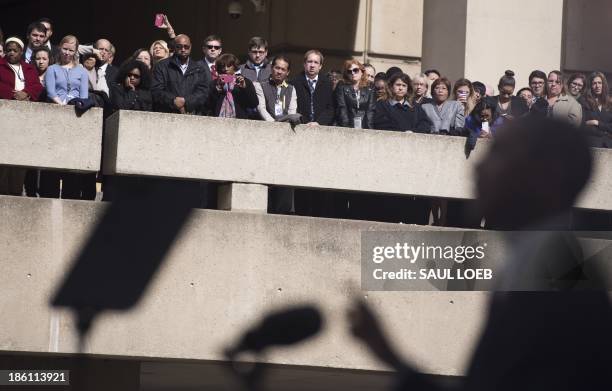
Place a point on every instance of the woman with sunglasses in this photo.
(131, 90)
(355, 98)
(506, 105)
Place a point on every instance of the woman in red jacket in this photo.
(18, 79)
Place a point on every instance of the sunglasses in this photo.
(211, 47)
(179, 47)
(353, 70)
(133, 75)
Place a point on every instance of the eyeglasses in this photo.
(179, 47)
(353, 70)
(104, 50)
(537, 83)
(133, 75)
(211, 47)
(577, 85)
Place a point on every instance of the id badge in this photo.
(357, 121)
(278, 109)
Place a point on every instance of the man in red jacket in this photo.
(18, 81)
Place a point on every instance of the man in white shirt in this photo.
(37, 36)
(106, 72)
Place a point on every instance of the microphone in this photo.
(285, 327)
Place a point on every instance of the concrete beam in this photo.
(50, 136)
(243, 197)
(257, 152)
(223, 271)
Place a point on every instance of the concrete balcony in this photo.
(256, 152)
(50, 136)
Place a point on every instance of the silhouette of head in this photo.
(534, 170)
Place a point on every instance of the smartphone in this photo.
(227, 78)
(159, 20)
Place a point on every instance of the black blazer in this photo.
(600, 136)
(347, 107)
(323, 99)
(400, 119)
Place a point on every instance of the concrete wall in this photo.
(586, 28)
(222, 272)
(49, 136)
(313, 157)
(480, 39)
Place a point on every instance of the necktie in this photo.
(213, 72)
(311, 87)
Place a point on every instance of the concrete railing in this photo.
(50, 136)
(249, 155)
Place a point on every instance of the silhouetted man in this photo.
(557, 338)
(180, 85)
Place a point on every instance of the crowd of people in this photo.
(170, 77)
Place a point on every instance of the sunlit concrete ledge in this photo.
(257, 152)
(50, 136)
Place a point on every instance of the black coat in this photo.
(244, 98)
(347, 107)
(400, 119)
(323, 99)
(169, 83)
(125, 99)
(518, 107)
(600, 136)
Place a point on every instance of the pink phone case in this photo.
(159, 20)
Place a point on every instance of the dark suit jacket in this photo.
(323, 99)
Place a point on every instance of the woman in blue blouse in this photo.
(67, 79)
(65, 82)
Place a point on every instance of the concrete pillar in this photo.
(480, 39)
(243, 197)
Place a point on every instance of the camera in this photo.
(234, 9)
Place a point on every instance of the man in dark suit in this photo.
(212, 49)
(542, 332)
(314, 92)
(49, 25)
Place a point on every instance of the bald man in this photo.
(105, 71)
(180, 84)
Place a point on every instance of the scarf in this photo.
(228, 108)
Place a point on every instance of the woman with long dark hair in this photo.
(131, 90)
(355, 98)
(597, 110)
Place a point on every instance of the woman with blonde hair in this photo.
(159, 51)
(355, 98)
(66, 80)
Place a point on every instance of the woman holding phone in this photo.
(507, 106)
(231, 93)
(463, 92)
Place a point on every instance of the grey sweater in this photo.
(449, 117)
